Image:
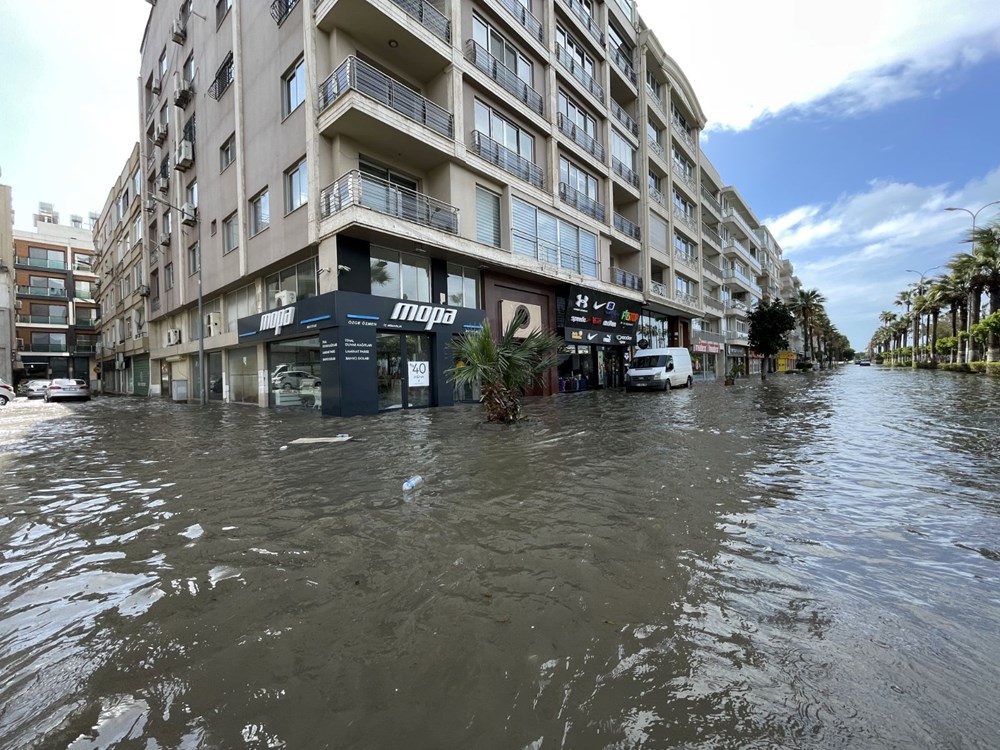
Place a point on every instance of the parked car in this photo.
(36, 388)
(6, 393)
(293, 379)
(61, 389)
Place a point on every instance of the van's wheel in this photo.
(666, 385)
(690, 382)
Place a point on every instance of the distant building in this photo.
(8, 337)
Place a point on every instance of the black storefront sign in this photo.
(347, 325)
(599, 319)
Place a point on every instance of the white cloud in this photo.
(750, 60)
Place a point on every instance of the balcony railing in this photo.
(735, 273)
(624, 64)
(429, 17)
(711, 200)
(627, 227)
(58, 265)
(85, 348)
(507, 160)
(576, 70)
(657, 196)
(737, 337)
(685, 218)
(691, 300)
(580, 201)
(655, 146)
(711, 234)
(41, 291)
(381, 196)
(624, 118)
(86, 322)
(734, 215)
(686, 176)
(625, 172)
(524, 17)
(33, 347)
(503, 75)
(281, 8)
(733, 244)
(585, 18)
(45, 320)
(357, 75)
(154, 257)
(718, 338)
(712, 303)
(685, 135)
(589, 144)
(660, 290)
(223, 78)
(655, 95)
(627, 279)
(688, 259)
(711, 268)
(84, 294)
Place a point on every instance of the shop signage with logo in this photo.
(594, 317)
(426, 314)
(708, 347)
(275, 319)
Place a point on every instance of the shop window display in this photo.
(295, 372)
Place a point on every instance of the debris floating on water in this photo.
(343, 437)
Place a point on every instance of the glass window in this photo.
(487, 217)
(493, 42)
(296, 186)
(576, 115)
(192, 193)
(293, 87)
(577, 178)
(575, 50)
(230, 233)
(540, 235)
(161, 66)
(168, 276)
(463, 286)
(300, 279)
(137, 229)
(400, 275)
(194, 258)
(503, 131)
(240, 304)
(622, 150)
(260, 213)
(227, 152)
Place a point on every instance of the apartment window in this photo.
(576, 115)
(137, 229)
(487, 217)
(168, 225)
(654, 134)
(400, 275)
(685, 286)
(293, 87)
(137, 182)
(684, 248)
(679, 119)
(48, 342)
(300, 278)
(45, 258)
(194, 258)
(161, 66)
(137, 272)
(541, 235)
(581, 181)
(188, 71)
(125, 286)
(682, 166)
(230, 233)
(223, 78)
(163, 115)
(654, 86)
(260, 212)
(240, 304)
(221, 10)
(191, 194)
(493, 42)
(503, 131)
(296, 186)
(168, 276)
(463, 286)
(227, 152)
(622, 150)
(575, 51)
(682, 206)
(654, 181)
(616, 41)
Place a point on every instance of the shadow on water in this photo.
(804, 562)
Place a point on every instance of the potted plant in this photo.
(734, 372)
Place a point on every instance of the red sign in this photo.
(707, 346)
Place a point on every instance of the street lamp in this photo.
(916, 316)
(201, 317)
(968, 343)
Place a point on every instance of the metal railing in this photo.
(684, 135)
(711, 234)
(711, 200)
(623, 278)
(624, 64)
(625, 172)
(655, 146)
(20, 260)
(687, 176)
(701, 335)
(688, 259)
(154, 257)
(507, 160)
(85, 348)
(428, 16)
(33, 347)
(711, 268)
(685, 218)
(524, 17)
(660, 290)
(575, 69)
(580, 201)
(624, 118)
(735, 244)
(691, 300)
(584, 17)
(625, 226)
(357, 75)
(713, 303)
(223, 78)
(655, 95)
(732, 213)
(84, 294)
(589, 144)
(358, 189)
(41, 291)
(503, 75)
(281, 8)
(739, 336)
(86, 322)
(735, 273)
(154, 303)
(45, 320)
(657, 196)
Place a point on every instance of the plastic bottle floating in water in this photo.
(413, 483)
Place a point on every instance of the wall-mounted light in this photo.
(393, 43)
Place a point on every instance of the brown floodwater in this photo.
(809, 562)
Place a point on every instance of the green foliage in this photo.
(946, 344)
(770, 323)
(503, 368)
(988, 326)
(848, 353)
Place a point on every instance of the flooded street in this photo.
(809, 562)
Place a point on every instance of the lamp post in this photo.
(202, 399)
(971, 301)
(916, 315)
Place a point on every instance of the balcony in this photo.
(735, 306)
(624, 118)
(585, 18)
(711, 269)
(576, 70)
(625, 172)
(685, 218)
(712, 336)
(381, 196)
(685, 136)
(655, 96)
(356, 75)
(87, 295)
(686, 175)
(86, 322)
(626, 279)
(509, 161)
(524, 17)
(731, 246)
(737, 337)
(624, 64)
(712, 201)
(43, 320)
(503, 75)
(712, 303)
(738, 275)
(33, 347)
(56, 265)
(154, 304)
(580, 201)
(731, 214)
(580, 138)
(688, 259)
(626, 227)
(428, 16)
(710, 234)
(655, 146)
(691, 300)
(659, 290)
(281, 8)
(41, 291)
(85, 348)
(657, 196)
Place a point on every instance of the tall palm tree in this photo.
(952, 295)
(935, 300)
(966, 269)
(806, 304)
(986, 252)
(905, 298)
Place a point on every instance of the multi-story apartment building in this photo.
(123, 292)
(339, 188)
(8, 339)
(56, 305)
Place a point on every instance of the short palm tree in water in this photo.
(503, 368)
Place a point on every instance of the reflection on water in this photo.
(807, 562)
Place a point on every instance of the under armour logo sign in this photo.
(582, 300)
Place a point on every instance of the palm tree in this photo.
(986, 252)
(905, 298)
(951, 294)
(935, 300)
(505, 368)
(806, 304)
(965, 268)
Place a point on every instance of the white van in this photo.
(660, 369)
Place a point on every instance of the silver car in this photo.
(6, 393)
(36, 388)
(62, 389)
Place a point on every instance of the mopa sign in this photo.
(276, 319)
(429, 315)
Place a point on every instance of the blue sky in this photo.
(847, 126)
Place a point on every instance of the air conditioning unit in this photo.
(284, 297)
(18, 303)
(173, 336)
(213, 324)
(160, 133)
(143, 290)
(177, 31)
(189, 214)
(150, 205)
(182, 90)
(531, 317)
(185, 155)
(163, 184)
(155, 86)
(165, 239)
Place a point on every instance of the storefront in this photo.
(346, 353)
(599, 330)
(704, 356)
(736, 359)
